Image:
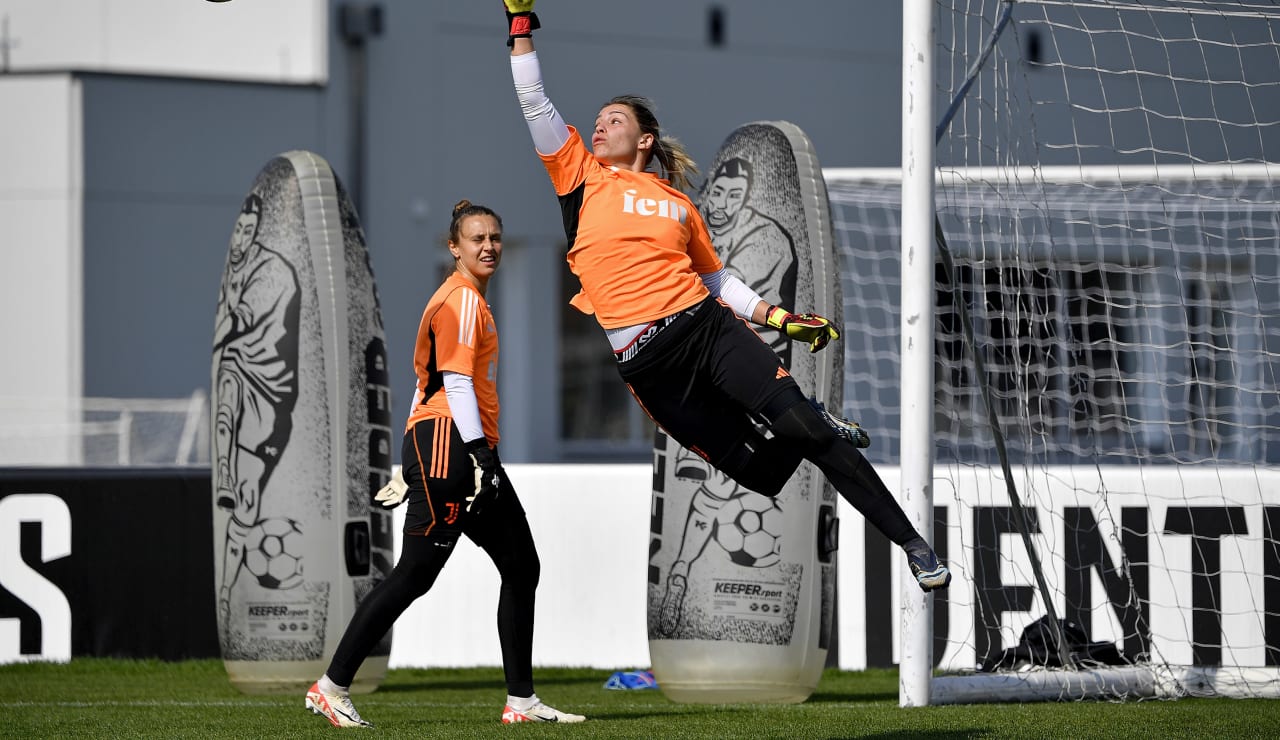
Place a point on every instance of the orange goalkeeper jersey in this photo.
(636, 244)
(456, 334)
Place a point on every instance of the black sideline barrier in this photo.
(139, 575)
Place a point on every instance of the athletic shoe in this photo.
(337, 708)
(539, 712)
(929, 573)
(846, 429)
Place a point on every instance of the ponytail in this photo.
(675, 160)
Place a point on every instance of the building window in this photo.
(599, 420)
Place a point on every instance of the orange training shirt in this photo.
(456, 334)
(636, 244)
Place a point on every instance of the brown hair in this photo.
(676, 163)
(466, 208)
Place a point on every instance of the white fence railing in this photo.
(104, 431)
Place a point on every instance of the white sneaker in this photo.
(337, 708)
(539, 712)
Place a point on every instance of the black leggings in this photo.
(502, 531)
(708, 379)
(800, 429)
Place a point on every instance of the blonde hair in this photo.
(675, 161)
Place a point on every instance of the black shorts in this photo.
(707, 378)
(441, 476)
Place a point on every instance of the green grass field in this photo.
(137, 699)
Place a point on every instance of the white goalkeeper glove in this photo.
(392, 495)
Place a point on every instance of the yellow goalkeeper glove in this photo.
(521, 20)
(816, 330)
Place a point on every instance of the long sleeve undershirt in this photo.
(461, 393)
(550, 132)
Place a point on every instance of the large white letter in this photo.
(22, 581)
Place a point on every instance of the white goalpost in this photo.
(1064, 314)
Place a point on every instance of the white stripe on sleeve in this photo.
(467, 320)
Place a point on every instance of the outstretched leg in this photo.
(802, 427)
(421, 559)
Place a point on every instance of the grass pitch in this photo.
(143, 699)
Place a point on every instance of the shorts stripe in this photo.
(418, 452)
(440, 447)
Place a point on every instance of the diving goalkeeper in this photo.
(677, 320)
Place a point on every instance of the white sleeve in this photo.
(740, 297)
(462, 404)
(548, 129)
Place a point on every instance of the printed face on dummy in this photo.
(725, 199)
(242, 237)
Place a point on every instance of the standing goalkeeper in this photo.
(455, 483)
(652, 278)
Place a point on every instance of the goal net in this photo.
(1106, 425)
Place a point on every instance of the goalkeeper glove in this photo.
(488, 477)
(803, 327)
(392, 495)
(521, 20)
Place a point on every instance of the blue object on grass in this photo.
(631, 680)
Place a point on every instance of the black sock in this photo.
(844, 465)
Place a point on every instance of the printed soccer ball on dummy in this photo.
(749, 528)
(273, 553)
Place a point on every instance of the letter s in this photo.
(22, 581)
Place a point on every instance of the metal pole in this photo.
(915, 662)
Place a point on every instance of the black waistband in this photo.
(651, 331)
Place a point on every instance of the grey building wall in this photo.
(166, 165)
(167, 162)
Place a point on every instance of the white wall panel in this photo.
(591, 526)
(281, 41)
(41, 295)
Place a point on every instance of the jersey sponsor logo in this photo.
(666, 208)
